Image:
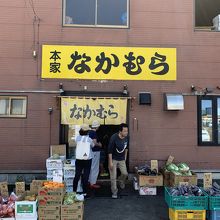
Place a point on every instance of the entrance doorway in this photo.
(76, 109)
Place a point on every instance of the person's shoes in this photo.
(104, 174)
(114, 196)
(94, 186)
(121, 185)
(86, 196)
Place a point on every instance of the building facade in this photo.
(31, 104)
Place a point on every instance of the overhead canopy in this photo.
(79, 110)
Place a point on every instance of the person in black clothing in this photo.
(117, 155)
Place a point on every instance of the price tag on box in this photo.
(154, 165)
(207, 180)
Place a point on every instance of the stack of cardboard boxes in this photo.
(55, 166)
(69, 174)
(50, 201)
(72, 212)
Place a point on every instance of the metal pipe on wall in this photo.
(30, 91)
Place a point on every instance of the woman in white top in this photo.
(84, 146)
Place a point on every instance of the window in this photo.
(205, 11)
(209, 120)
(13, 106)
(96, 13)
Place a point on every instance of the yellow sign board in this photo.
(108, 63)
(76, 110)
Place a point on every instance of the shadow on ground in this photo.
(130, 206)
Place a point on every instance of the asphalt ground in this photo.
(129, 206)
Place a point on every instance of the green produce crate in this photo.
(186, 202)
(214, 202)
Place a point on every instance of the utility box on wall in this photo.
(144, 98)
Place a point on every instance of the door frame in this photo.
(63, 134)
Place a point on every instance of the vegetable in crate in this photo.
(214, 190)
(143, 170)
(177, 173)
(186, 191)
(183, 167)
(56, 156)
(172, 167)
(188, 173)
(146, 170)
(69, 198)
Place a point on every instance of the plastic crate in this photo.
(214, 215)
(187, 214)
(186, 202)
(214, 202)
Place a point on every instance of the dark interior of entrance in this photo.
(104, 134)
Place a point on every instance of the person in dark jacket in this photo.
(117, 155)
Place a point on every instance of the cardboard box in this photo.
(28, 218)
(72, 212)
(4, 189)
(166, 178)
(51, 191)
(147, 191)
(175, 180)
(34, 189)
(19, 188)
(38, 182)
(54, 163)
(69, 188)
(69, 171)
(71, 163)
(150, 180)
(36, 185)
(49, 217)
(58, 176)
(76, 208)
(50, 172)
(49, 178)
(68, 181)
(50, 200)
(58, 149)
(72, 217)
(49, 210)
(26, 209)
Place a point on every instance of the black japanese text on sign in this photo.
(84, 110)
(115, 63)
